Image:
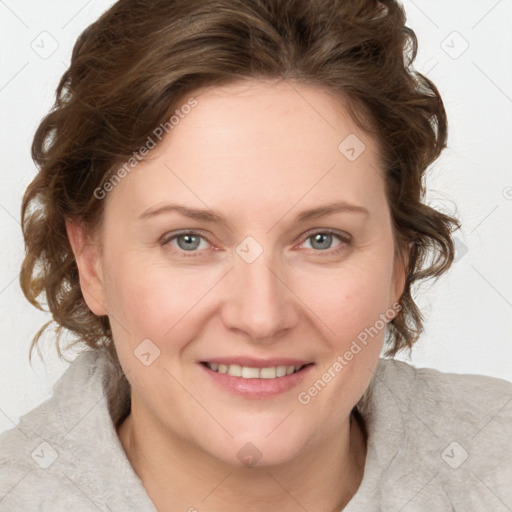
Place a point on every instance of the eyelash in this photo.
(344, 239)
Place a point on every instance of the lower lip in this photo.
(257, 388)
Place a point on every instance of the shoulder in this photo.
(453, 386)
(456, 430)
(39, 457)
(448, 397)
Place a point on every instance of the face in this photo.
(256, 239)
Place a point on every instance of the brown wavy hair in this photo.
(130, 68)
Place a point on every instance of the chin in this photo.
(257, 447)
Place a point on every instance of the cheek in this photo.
(351, 301)
(147, 300)
(354, 310)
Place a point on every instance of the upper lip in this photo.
(251, 362)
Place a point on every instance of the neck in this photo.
(178, 475)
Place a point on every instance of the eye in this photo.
(322, 241)
(187, 241)
(192, 243)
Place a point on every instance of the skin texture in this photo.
(258, 153)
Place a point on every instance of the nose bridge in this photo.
(258, 301)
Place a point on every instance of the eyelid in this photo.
(341, 234)
(328, 231)
(345, 241)
(344, 237)
(165, 239)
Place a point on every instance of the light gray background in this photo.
(469, 321)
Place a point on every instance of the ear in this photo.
(400, 271)
(87, 254)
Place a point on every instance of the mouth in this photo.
(250, 372)
(255, 379)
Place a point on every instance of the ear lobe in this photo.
(88, 259)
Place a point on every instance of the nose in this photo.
(259, 302)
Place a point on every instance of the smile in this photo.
(247, 372)
(256, 379)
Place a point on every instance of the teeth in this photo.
(235, 370)
(281, 371)
(249, 373)
(268, 373)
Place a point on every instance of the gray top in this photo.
(436, 441)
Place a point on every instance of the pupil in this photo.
(320, 241)
(192, 242)
(322, 238)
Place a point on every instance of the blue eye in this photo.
(194, 244)
(187, 241)
(321, 241)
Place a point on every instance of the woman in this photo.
(229, 214)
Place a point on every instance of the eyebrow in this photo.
(212, 217)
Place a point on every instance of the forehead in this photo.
(280, 115)
(257, 144)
